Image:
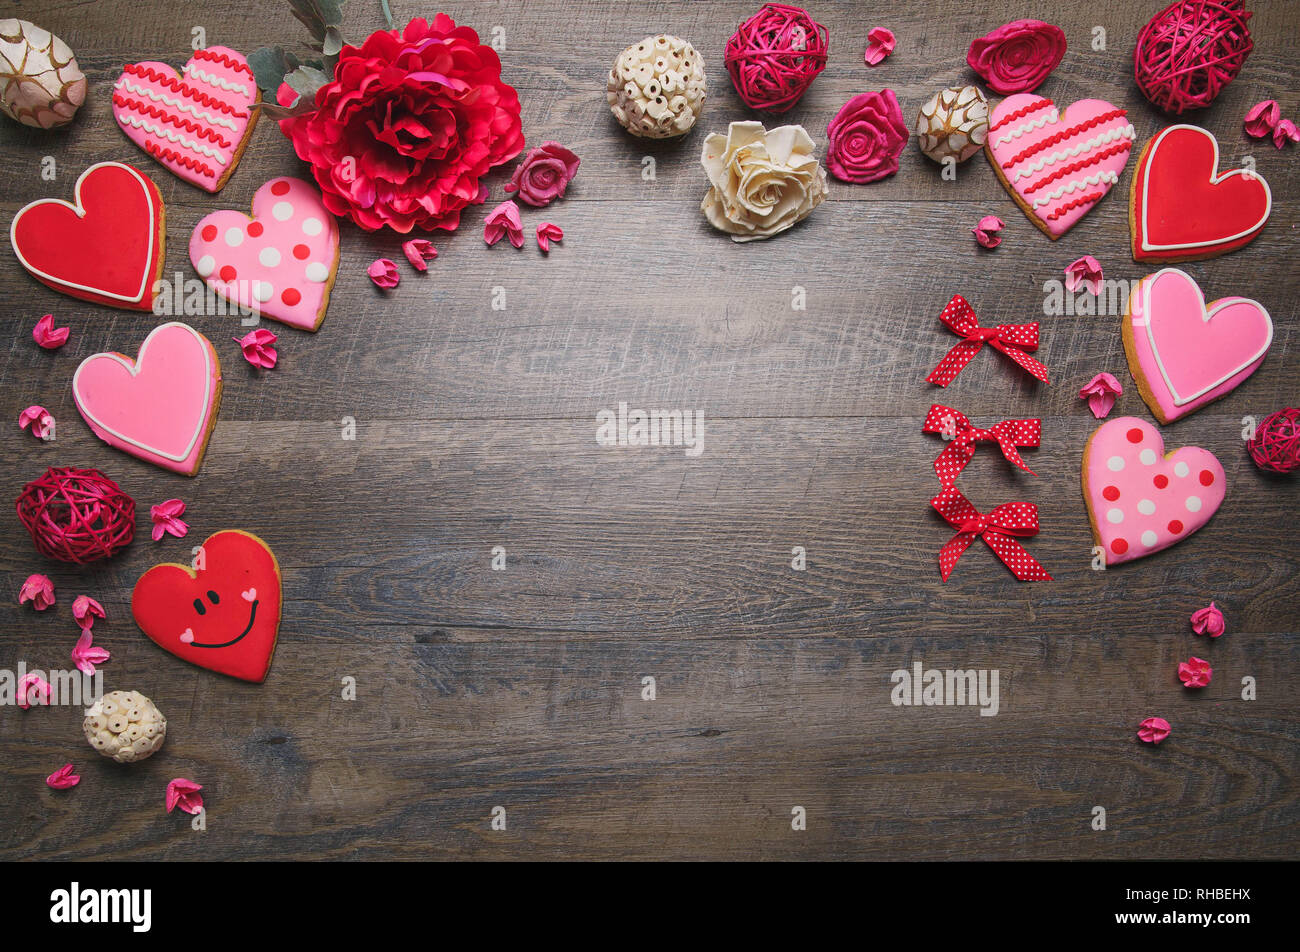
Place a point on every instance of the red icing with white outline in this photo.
(281, 261)
(1140, 500)
(106, 246)
(192, 122)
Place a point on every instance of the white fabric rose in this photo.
(763, 182)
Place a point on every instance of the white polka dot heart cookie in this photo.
(281, 262)
(1141, 500)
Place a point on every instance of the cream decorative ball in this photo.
(953, 123)
(656, 87)
(126, 726)
(40, 82)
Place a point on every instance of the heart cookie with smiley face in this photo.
(222, 612)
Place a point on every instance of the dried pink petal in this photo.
(40, 420)
(85, 610)
(166, 518)
(184, 794)
(1285, 132)
(258, 346)
(63, 778)
(418, 251)
(384, 273)
(85, 655)
(33, 690)
(1084, 271)
(1153, 730)
(39, 590)
(986, 232)
(546, 233)
(1195, 672)
(49, 336)
(1208, 621)
(880, 43)
(1262, 118)
(1100, 392)
(504, 221)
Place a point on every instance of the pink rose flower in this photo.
(504, 221)
(546, 233)
(258, 347)
(184, 794)
(1263, 118)
(166, 517)
(1017, 57)
(1100, 392)
(419, 251)
(880, 43)
(1209, 621)
(1153, 730)
(544, 174)
(1195, 672)
(1285, 132)
(49, 336)
(40, 420)
(85, 610)
(383, 272)
(986, 232)
(1084, 271)
(866, 138)
(39, 590)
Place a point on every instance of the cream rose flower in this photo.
(763, 182)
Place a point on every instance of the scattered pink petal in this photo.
(986, 232)
(63, 778)
(546, 233)
(85, 655)
(33, 689)
(1153, 730)
(1100, 392)
(40, 420)
(504, 220)
(1285, 132)
(38, 590)
(1208, 621)
(184, 794)
(1262, 118)
(49, 336)
(1084, 271)
(384, 273)
(1195, 672)
(880, 43)
(258, 346)
(85, 610)
(166, 518)
(419, 251)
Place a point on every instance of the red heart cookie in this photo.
(106, 248)
(1182, 209)
(221, 613)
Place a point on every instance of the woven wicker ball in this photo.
(77, 515)
(1190, 51)
(656, 87)
(1276, 444)
(953, 123)
(774, 56)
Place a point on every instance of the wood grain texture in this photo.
(476, 428)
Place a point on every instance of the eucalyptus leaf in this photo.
(318, 15)
(332, 45)
(305, 80)
(388, 14)
(276, 112)
(269, 65)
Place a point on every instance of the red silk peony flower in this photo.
(544, 174)
(410, 123)
(1017, 57)
(866, 137)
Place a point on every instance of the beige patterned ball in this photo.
(656, 87)
(126, 726)
(953, 123)
(40, 82)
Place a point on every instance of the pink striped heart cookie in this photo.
(196, 123)
(1058, 164)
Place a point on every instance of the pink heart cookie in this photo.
(1184, 355)
(1141, 500)
(1056, 164)
(281, 262)
(160, 407)
(196, 123)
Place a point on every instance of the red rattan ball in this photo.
(1276, 443)
(774, 56)
(77, 515)
(1190, 51)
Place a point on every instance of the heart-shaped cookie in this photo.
(197, 613)
(1183, 354)
(281, 262)
(196, 123)
(160, 407)
(1182, 209)
(1141, 500)
(1057, 164)
(106, 246)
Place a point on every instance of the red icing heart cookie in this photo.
(223, 615)
(1182, 209)
(106, 248)
(1140, 499)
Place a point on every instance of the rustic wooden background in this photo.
(476, 428)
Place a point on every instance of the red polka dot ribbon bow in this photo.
(1012, 339)
(999, 529)
(956, 426)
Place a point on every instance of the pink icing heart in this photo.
(1140, 500)
(249, 595)
(1060, 164)
(1191, 355)
(159, 406)
(194, 122)
(280, 262)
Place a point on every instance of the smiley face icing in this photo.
(221, 613)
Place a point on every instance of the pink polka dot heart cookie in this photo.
(281, 262)
(1140, 499)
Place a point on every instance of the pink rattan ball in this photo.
(77, 515)
(774, 56)
(1276, 443)
(1190, 51)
